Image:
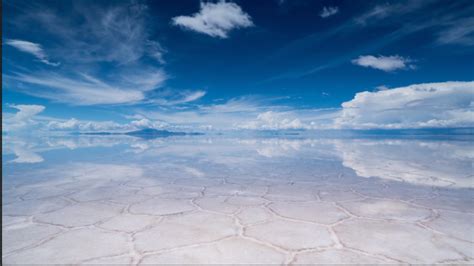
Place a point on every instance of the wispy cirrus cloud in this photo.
(215, 19)
(32, 48)
(329, 11)
(107, 55)
(458, 32)
(384, 63)
(90, 33)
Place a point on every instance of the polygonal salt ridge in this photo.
(145, 182)
(386, 209)
(338, 256)
(129, 222)
(102, 193)
(456, 224)
(80, 214)
(253, 215)
(44, 192)
(227, 251)
(160, 206)
(111, 260)
(291, 235)
(397, 240)
(197, 182)
(450, 200)
(33, 207)
(82, 245)
(184, 230)
(181, 192)
(338, 195)
(318, 212)
(14, 220)
(216, 204)
(246, 200)
(464, 248)
(130, 199)
(21, 236)
(291, 192)
(223, 190)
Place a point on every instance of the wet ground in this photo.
(202, 199)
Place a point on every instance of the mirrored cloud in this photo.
(21, 119)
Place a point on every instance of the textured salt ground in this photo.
(275, 211)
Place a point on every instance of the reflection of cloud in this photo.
(24, 155)
(21, 119)
(418, 162)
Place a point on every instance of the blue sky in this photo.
(119, 65)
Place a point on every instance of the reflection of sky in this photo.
(421, 162)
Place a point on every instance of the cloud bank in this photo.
(426, 105)
(215, 19)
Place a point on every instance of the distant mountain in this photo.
(154, 132)
(147, 133)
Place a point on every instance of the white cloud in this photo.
(21, 119)
(426, 105)
(328, 11)
(115, 33)
(273, 121)
(458, 32)
(384, 63)
(215, 19)
(31, 48)
(104, 126)
(176, 97)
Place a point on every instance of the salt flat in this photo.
(238, 200)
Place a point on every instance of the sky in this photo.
(236, 65)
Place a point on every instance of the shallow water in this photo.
(202, 199)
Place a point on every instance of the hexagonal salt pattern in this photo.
(291, 235)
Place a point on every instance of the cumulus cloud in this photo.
(21, 119)
(426, 105)
(107, 126)
(215, 19)
(273, 121)
(31, 48)
(384, 63)
(328, 11)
